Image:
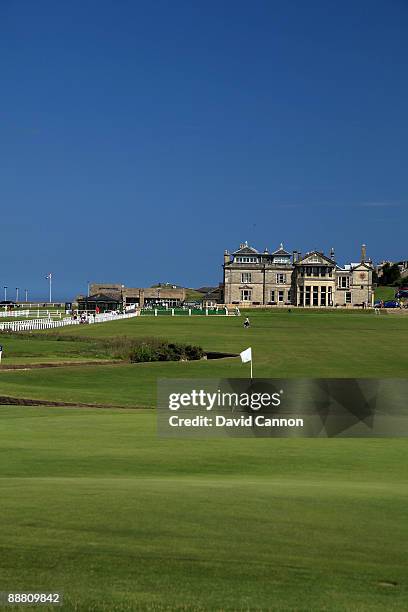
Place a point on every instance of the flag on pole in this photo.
(49, 279)
(246, 355)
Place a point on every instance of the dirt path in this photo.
(6, 400)
(4, 367)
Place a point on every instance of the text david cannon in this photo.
(243, 421)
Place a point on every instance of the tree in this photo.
(390, 275)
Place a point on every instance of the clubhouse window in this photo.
(281, 295)
(301, 294)
(246, 259)
(281, 279)
(315, 296)
(289, 295)
(246, 277)
(272, 295)
(348, 297)
(307, 297)
(329, 296)
(343, 282)
(246, 295)
(323, 301)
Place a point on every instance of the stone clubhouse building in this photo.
(279, 278)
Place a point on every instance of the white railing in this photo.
(38, 324)
(110, 316)
(175, 312)
(14, 313)
(46, 314)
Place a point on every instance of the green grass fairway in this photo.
(43, 349)
(93, 504)
(285, 344)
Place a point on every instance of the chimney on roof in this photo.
(363, 253)
(332, 254)
(295, 256)
(242, 245)
(226, 257)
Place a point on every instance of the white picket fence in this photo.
(38, 324)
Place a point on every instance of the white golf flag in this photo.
(246, 355)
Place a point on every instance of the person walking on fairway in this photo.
(247, 323)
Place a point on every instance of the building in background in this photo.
(100, 301)
(282, 278)
(402, 267)
(140, 297)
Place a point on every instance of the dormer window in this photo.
(245, 259)
(282, 260)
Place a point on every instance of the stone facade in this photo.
(113, 290)
(281, 278)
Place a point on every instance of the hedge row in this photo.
(165, 351)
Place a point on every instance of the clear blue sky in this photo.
(138, 140)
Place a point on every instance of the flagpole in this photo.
(50, 279)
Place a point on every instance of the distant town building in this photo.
(402, 265)
(213, 297)
(284, 278)
(140, 297)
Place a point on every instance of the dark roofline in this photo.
(246, 249)
(99, 297)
